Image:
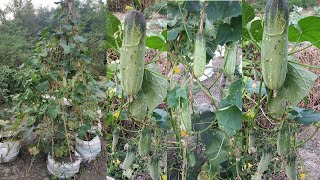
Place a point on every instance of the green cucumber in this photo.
(133, 52)
(274, 45)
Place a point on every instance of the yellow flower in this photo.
(116, 114)
(249, 165)
(303, 175)
(118, 162)
(183, 133)
(176, 70)
(164, 177)
(129, 8)
(250, 113)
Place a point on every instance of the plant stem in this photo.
(308, 139)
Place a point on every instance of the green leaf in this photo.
(53, 111)
(173, 34)
(78, 38)
(297, 85)
(229, 119)
(229, 32)
(161, 117)
(43, 86)
(44, 52)
(307, 30)
(218, 151)
(200, 123)
(152, 93)
(254, 87)
(66, 47)
(112, 24)
(192, 6)
(247, 14)
(223, 9)
(305, 116)
(155, 42)
(234, 97)
(256, 30)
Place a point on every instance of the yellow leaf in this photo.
(183, 133)
(303, 175)
(249, 165)
(164, 177)
(129, 8)
(116, 114)
(176, 70)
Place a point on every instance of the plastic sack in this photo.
(63, 170)
(9, 151)
(88, 149)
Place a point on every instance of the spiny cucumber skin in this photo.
(154, 167)
(291, 167)
(145, 142)
(186, 117)
(274, 46)
(283, 141)
(130, 157)
(263, 164)
(115, 138)
(230, 60)
(199, 57)
(133, 52)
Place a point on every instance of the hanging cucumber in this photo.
(145, 142)
(291, 167)
(263, 164)
(274, 45)
(186, 112)
(199, 56)
(115, 138)
(133, 52)
(230, 59)
(154, 167)
(283, 141)
(130, 156)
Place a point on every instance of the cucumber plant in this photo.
(273, 79)
(142, 87)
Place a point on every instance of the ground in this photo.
(27, 167)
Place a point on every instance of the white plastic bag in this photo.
(88, 149)
(63, 170)
(9, 150)
(109, 178)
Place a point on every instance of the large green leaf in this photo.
(256, 30)
(193, 6)
(247, 14)
(200, 123)
(152, 93)
(307, 30)
(112, 24)
(155, 42)
(53, 111)
(235, 96)
(305, 116)
(218, 150)
(229, 32)
(229, 119)
(223, 9)
(43, 86)
(298, 83)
